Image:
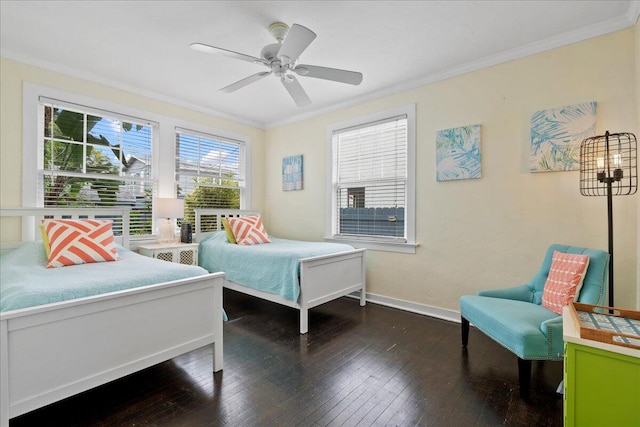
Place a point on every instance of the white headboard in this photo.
(31, 218)
(207, 218)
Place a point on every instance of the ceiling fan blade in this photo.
(244, 82)
(335, 74)
(218, 50)
(295, 90)
(297, 40)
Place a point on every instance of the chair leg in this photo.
(524, 375)
(465, 331)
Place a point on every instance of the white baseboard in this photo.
(413, 307)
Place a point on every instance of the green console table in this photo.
(601, 381)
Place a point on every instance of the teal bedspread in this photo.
(26, 282)
(272, 267)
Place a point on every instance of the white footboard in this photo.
(51, 352)
(322, 279)
(327, 277)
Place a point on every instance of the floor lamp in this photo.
(609, 167)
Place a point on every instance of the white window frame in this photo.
(371, 242)
(245, 190)
(163, 155)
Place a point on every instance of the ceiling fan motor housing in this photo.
(270, 54)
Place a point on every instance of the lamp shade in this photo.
(168, 207)
(609, 165)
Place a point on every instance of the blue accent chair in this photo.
(516, 319)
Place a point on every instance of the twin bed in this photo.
(61, 337)
(300, 275)
(65, 346)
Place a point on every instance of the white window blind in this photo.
(210, 172)
(370, 179)
(91, 157)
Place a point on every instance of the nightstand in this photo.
(181, 253)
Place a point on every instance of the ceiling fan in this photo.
(282, 60)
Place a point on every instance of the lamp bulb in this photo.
(616, 160)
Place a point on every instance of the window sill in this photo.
(406, 248)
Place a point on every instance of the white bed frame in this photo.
(51, 352)
(322, 278)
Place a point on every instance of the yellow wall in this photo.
(490, 232)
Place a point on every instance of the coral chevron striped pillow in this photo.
(249, 230)
(79, 241)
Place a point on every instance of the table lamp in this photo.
(168, 209)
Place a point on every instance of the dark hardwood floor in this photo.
(371, 366)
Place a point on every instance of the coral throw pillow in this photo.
(249, 230)
(79, 241)
(564, 281)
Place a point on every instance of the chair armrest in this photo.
(552, 329)
(519, 293)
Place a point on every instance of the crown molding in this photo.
(93, 78)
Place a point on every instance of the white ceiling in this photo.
(143, 46)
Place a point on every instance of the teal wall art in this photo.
(292, 173)
(556, 135)
(458, 153)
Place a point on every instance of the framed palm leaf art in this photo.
(556, 135)
(458, 153)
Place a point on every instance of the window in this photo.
(84, 151)
(95, 158)
(372, 181)
(210, 172)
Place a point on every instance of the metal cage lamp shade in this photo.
(609, 167)
(168, 209)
